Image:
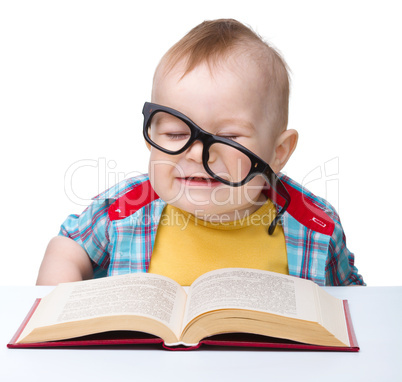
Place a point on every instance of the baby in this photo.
(214, 197)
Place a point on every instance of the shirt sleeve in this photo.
(340, 267)
(90, 231)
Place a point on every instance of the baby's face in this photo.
(228, 102)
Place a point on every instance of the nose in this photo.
(194, 152)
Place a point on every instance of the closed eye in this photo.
(177, 136)
(231, 137)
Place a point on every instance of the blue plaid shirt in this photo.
(118, 242)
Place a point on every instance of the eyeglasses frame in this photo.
(258, 165)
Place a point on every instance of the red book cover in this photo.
(134, 339)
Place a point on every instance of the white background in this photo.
(75, 74)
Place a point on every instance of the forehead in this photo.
(240, 63)
(233, 88)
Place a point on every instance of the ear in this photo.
(284, 147)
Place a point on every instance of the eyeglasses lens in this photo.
(168, 132)
(228, 163)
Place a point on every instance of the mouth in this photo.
(199, 181)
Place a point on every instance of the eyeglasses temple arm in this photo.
(280, 189)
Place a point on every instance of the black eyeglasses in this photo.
(224, 159)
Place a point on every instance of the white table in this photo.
(376, 314)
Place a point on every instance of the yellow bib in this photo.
(187, 247)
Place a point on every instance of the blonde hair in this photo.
(215, 40)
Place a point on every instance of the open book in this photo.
(231, 300)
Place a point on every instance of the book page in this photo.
(333, 315)
(142, 294)
(238, 288)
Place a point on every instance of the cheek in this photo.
(162, 169)
(229, 163)
(160, 162)
(265, 147)
(238, 166)
(251, 191)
